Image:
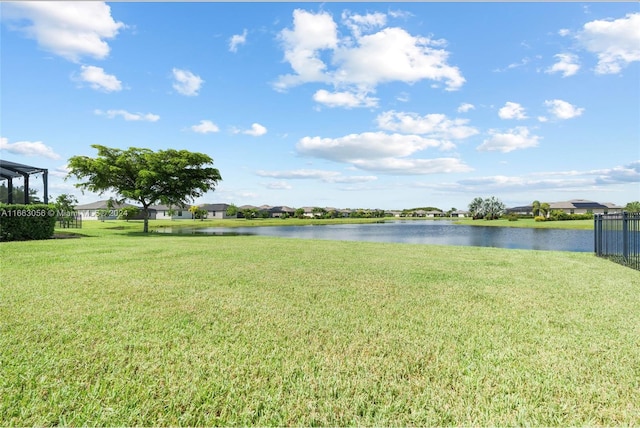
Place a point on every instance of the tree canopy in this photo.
(171, 177)
(489, 209)
(633, 207)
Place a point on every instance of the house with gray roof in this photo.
(166, 212)
(216, 210)
(574, 206)
(582, 206)
(90, 211)
(281, 211)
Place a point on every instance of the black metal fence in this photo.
(617, 237)
(70, 222)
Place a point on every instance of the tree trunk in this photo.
(145, 229)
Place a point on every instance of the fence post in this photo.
(597, 232)
(625, 235)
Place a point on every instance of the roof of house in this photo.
(581, 204)
(214, 207)
(167, 207)
(282, 209)
(102, 205)
(523, 208)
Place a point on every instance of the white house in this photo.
(90, 211)
(582, 206)
(460, 214)
(216, 210)
(163, 212)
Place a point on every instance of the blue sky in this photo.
(349, 105)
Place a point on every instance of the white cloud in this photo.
(465, 107)
(70, 29)
(616, 43)
(354, 179)
(403, 97)
(564, 32)
(186, 82)
(574, 181)
(515, 139)
(434, 125)
(237, 40)
(392, 54)
(413, 166)
(359, 24)
(279, 185)
(400, 14)
(344, 99)
(148, 117)
(542, 119)
(567, 64)
(381, 152)
(562, 109)
(205, 127)
(300, 174)
(256, 130)
(361, 62)
(629, 173)
(501, 183)
(522, 63)
(311, 33)
(368, 145)
(28, 148)
(100, 80)
(315, 174)
(61, 171)
(512, 110)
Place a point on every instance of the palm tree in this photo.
(535, 208)
(493, 208)
(476, 208)
(544, 209)
(633, 207)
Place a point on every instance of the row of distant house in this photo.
(219, 211)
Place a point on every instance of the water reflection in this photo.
(419, 232)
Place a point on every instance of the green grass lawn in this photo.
(530, 223)
(123, 329)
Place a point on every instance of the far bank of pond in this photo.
(423, 232)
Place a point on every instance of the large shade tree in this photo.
(170, 177)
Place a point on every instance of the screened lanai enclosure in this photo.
(12, 170)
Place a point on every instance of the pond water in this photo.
(419, 232)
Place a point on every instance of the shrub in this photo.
(540, 218)
(512, 217)
(24, 222)
(559, 215)
(588, 216)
